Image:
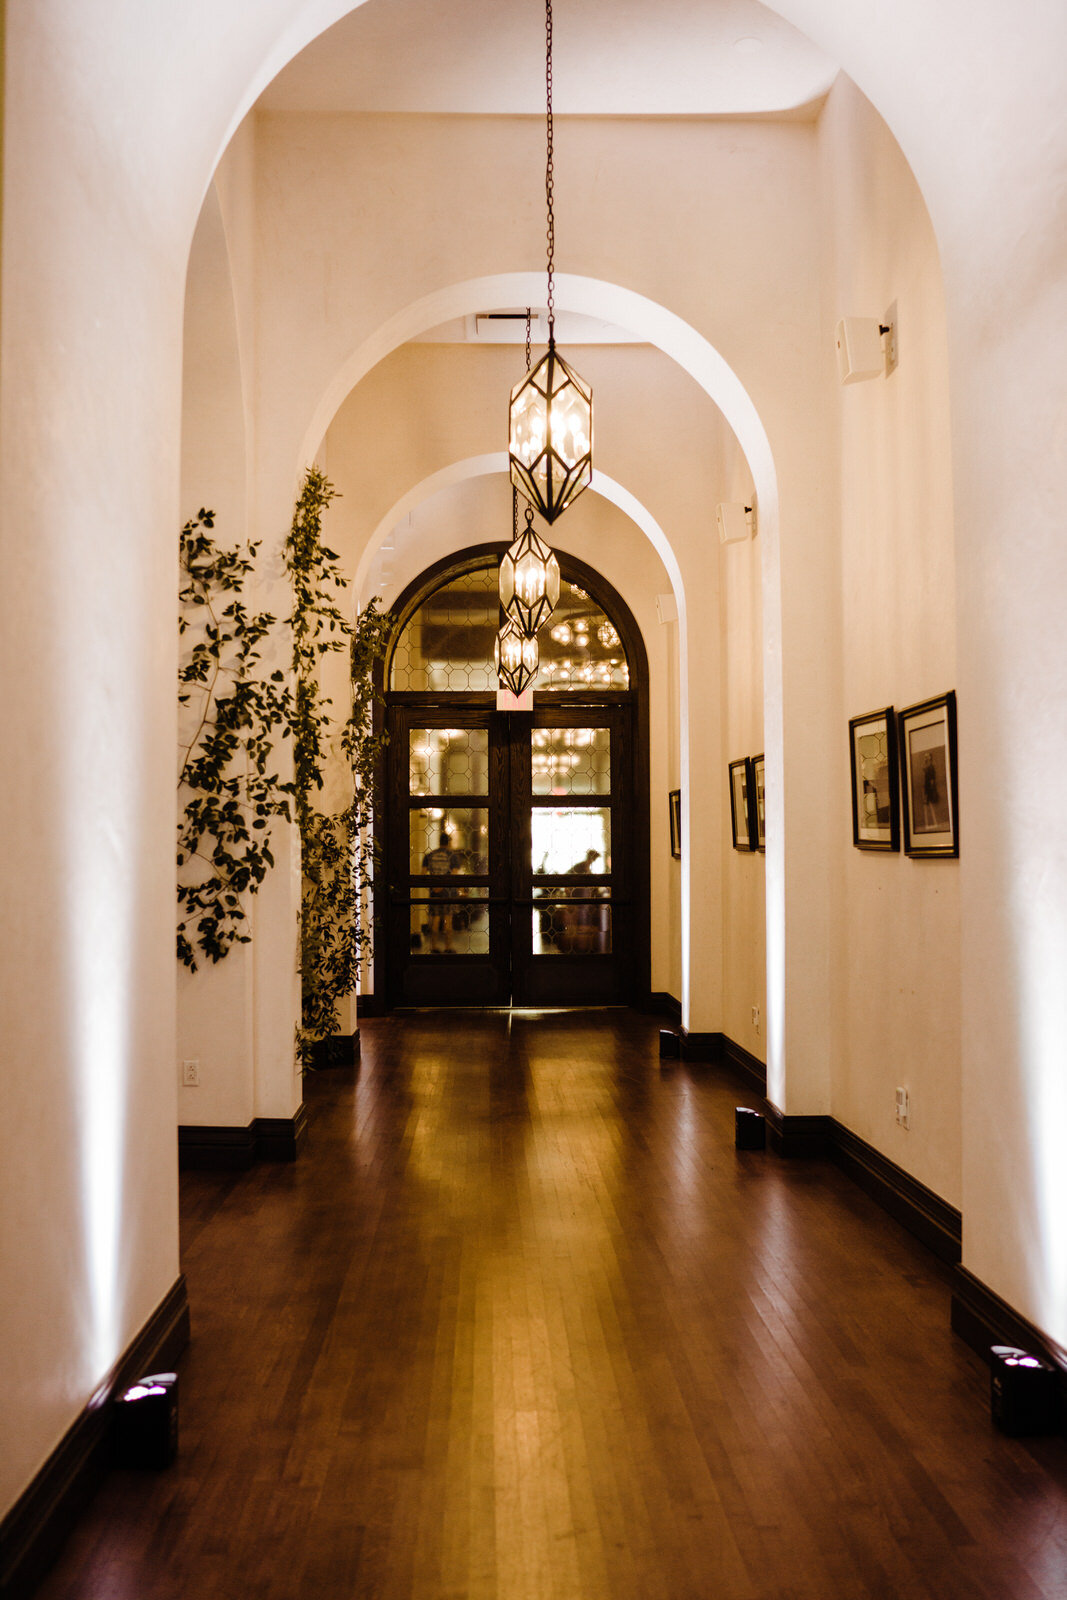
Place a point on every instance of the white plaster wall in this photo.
(113, 125)
(429, 405)
(897, 927)
(215, 1004)
(744, 875)
(739, 202)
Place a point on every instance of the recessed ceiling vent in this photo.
(506, 327)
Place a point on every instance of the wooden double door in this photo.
(509, 853)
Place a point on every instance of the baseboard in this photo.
(340, 1050)
(922, 1212)
(662, 1004)
(42, 1516)
(218, 1149)
(281, 1138)
(982, 1318)
(805, 1138)
(700, 1046)
(370, 1005)
(753, 1068)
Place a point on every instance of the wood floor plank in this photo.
(522, 1324)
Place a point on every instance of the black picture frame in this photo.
(927, 739)
(759, 801)
(872, 743)
(741, 810)
(674, 803)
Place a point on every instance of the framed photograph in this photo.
(875, 804)
(757, 801)
(741, 810)
(927, 735)
(674, 801)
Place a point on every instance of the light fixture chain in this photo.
(549, 173)
(529, 329)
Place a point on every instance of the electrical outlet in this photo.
(190, 1074)
(903, 1108)
(755, 1018)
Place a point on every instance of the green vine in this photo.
(337, 849)
(232, 789)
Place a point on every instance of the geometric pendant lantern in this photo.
(550, 431)
(529, 580)
(517, 657)
(551, 443)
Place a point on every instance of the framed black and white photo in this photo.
(741, 810)
(928, 777)
(758, 802)
(875, 805)
(674, 801)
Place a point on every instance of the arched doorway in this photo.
(514, 844)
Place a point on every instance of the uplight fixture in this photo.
(551, 416)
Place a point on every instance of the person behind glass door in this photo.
(440, 863)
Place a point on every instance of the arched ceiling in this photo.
(611, 58)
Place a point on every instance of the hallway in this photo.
(521, 1324)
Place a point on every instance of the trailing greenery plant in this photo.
(231, 787)
(337, 848)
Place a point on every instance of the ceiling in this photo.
(611, 58)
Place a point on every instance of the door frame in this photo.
(606, 596)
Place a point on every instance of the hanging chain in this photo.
(549, 174)
(529, 351)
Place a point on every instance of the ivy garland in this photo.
(233, 788)
(337, 849)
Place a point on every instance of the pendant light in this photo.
(529, 571)
(517, 656)
(551, 417)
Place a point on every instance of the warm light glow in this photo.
(529, 581)
(551, 435)
(516, 656)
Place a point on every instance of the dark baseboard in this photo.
(922, 1212)
(806, 1138)
(281, 1138)
(340, 1050)
(982, 1318)
(42, 1516)
(662, 1004)
(700, 1046)
(215, 1149)
(751, 1066)
(370, 1005)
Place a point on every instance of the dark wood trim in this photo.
(281, 1138)
(637, 697)
(220, 1149)
(215, 1149)
(42, 1516)
(982, 1318)
(753, 1068)
(804, 1137)
(662, 1004)
(701, 1046)
(919, 1209)
(370, 1005)
(339, 1050)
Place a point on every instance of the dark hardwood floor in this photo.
(523, 1325)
